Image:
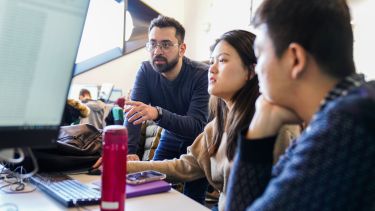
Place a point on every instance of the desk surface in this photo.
(37, 200)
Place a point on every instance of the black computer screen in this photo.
(38, 46)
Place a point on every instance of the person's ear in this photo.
(182, 49)
(298, 58)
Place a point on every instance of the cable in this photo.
(15, 179)
(14, 160)
(20, 158)
(35, 164)
(15, 183)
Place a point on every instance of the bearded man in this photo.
(171, 90)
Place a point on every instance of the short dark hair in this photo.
(322, 27)
(84, 92)
(244, 100)
(164, 21)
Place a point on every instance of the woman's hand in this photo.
(133, 157)
(97, 164)
(130, 157)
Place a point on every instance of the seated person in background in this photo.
(116, 114)
(73, 111)
(84, 95)
(120, 102)
(99, 110)
(234, 88)
(307, 74)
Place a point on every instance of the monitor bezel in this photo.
(43, 137)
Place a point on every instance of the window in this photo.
(105, 36)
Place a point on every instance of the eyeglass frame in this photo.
(160, 45)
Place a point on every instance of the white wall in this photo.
(121, 72)
(206, 20)
(363, 15)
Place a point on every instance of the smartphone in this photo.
(144, 177)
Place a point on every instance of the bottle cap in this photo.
(115, 134)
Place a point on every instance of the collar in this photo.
(342, 88)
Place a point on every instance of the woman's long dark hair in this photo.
(243, 101)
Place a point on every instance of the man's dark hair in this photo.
(164, 21)
(322, 27)
(84, 92)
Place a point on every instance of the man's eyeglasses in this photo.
(164, 45)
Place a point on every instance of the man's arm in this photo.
(193, 122)
(250, 173)
(139, 93)
(253, 163)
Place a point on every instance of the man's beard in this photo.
(166, 67)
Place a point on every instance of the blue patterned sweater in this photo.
(331, 166)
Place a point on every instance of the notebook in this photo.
(143, 189)
(147, 188)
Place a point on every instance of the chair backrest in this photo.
(150, 136)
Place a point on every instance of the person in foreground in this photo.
(234, 88)
(307, 74)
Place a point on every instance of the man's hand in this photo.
(133, 157)
(138, 112)
(269, 118)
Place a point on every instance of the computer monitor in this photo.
(115, 94)
(38, 46)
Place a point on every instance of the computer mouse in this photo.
(94, 171)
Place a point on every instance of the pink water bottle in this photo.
(115, 150)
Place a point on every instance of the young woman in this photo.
(233, 87)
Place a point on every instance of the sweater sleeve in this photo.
(328, 168)
(139, 93)
(191, 124)
(188, 167)
(251, 171)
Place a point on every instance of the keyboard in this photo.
(66, 190)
